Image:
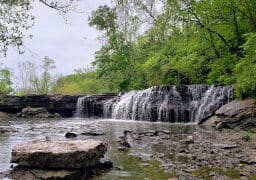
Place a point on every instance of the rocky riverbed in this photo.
(200, 153)
(141, 150)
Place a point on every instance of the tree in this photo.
(5, 81)
(47, 79)
(245, 70)
(113, 60)
(15, 20)
(26, 73)
(36, 80)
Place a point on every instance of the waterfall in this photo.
(190, 103)
(80, 107)
(92, 106)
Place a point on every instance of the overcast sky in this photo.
(70, 44)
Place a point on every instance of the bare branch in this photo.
(61, 7)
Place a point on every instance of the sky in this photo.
(69, 41)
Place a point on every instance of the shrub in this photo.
(247, 137)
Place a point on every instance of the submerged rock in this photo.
(59, 154)
(93, 133)
(105, 163)
(124, 140)
(70, 135)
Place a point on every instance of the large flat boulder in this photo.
(75, 154)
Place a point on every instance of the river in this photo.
(153, 155)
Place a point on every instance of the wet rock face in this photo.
(40, 112)
(4, 115)
(236, 114)
(92, 106)
(65, 105)
(59, 154)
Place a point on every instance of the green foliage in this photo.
(247, 137)
(81, 83)
(187, 42)
(246, 69)
(103, 18)
(5, 81)
(14, 19)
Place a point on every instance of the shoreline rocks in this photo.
(235, 115)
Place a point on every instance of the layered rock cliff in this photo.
(65, 105)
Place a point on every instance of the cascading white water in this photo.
(80, 107)
(84, 107)
(192, 103)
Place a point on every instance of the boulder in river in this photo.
(77, 154)
(70, 135)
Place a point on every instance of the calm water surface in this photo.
(129, 167)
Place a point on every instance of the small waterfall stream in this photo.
(191, 103)
(80, 106)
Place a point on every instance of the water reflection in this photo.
(24, 130)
